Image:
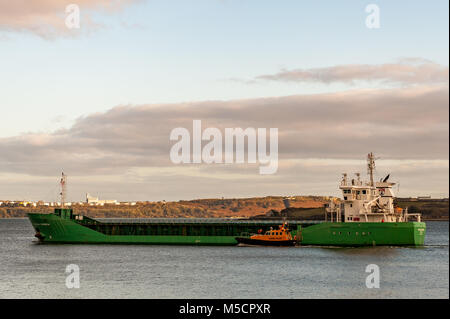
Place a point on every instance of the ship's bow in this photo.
(41, 224)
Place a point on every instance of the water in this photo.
(30, 270)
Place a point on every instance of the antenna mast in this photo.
(370, 167)
(63, 183)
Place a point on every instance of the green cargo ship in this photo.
(366, 216)
(65, 227)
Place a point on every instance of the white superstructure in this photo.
(366, 201)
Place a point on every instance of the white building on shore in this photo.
(96, 201)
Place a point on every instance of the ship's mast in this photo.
(370, 167)
(63, 189)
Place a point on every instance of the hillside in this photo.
(208, 208)
(431, 209)
(302, 207)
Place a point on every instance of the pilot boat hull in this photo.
(250, 241)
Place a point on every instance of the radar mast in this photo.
(63, 184)
(370, 167)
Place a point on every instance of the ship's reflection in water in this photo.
(28, 270)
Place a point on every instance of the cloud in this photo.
(46, 18)
(406, 71)
(296, 177)
(124, 152)
(402, 123)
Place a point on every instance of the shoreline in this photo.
(423, 220)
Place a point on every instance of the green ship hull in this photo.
(65, 227)
(365, 234)
(51, 228)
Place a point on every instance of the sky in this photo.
(99, 101)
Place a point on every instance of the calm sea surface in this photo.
(30, 270)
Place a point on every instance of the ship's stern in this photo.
(419, 229)
(365, 234)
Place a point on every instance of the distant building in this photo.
(423, 197)
(96, 201)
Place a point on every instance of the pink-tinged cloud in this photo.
(46, 18)
(401, 123)
(406, 71)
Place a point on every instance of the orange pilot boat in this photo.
(277, 237)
